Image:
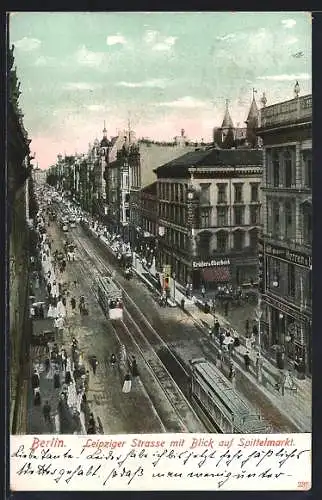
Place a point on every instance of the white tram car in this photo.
(110, 298)
(219, 404)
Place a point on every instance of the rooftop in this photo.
(298, 110)
(216, 157)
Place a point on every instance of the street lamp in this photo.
(258, 316)
(174, 286)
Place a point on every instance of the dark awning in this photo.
(218, 274)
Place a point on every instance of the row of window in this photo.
(176, 192)
(223, 241)
(222, 190)
(281, 220)
(238, 216)
(281, 167)
(172, 191)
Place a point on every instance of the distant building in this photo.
(286, 245)
(39, 175)
(130, 168)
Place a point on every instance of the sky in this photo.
(162, 71)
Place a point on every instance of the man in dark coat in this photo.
(56, 380)
(73, 303)
(35, 380)
(247, 360)
(46, 411)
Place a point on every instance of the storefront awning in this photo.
(218, 274)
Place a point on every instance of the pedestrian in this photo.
(226, 308)
(282, 380)
(216, 327)
(47, 364)
(56, 380)
(247, 360)
(37, 397)
(35, 380)
(203, 291)
(113, 359)
(64, 362)
(213, 303)
(94, 364)
(135, 371)
(73, 303)
(127, 384)
(46, 411)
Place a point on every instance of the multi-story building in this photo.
(39, 175)
(209, 216)
(128, 170)
(18, 171)
(209, 210)
(285, 248)
(149, 216)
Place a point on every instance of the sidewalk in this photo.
(294, 405)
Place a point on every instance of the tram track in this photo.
(152, 349)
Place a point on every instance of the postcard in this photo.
(160, 250)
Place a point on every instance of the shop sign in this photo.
(289, 255)
(211, 263)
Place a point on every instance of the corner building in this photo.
(209, 216)
(286, 246)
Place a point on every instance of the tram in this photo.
(110, 298)
(218, 403)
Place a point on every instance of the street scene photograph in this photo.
(159, 199)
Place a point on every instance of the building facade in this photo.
(148, 229)
(209, 216)
(286, 244)
(18, 234)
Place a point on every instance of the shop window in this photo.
(222, 241)
(291, 280)
(274, 266)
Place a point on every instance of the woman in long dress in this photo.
(127, 383)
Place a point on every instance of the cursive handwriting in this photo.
(189, 461)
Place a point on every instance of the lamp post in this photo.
(258, 316)
(174, 286)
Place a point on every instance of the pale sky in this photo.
(164, 71)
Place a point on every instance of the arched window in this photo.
(222, 241)
(239, 239)
(288, 170)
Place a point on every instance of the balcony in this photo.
(288, 112)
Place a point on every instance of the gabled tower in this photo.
(227, 130)
(252, 123)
